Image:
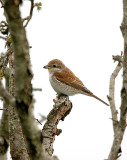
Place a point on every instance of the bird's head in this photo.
(55, 65)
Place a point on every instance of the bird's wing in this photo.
(70, 79)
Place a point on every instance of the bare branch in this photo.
(38, 121)
(6, 96)
(60, 110)
(31, 13)
(119, 129)
(1, 37)
(4, 109)
(2, 3)
(4, 131)
(111, 97)
(5, 59)
(118, 58)
(37, 89)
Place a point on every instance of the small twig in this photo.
(4, 109)
(3, 38)
(4, 61)
(37, 89)
(9, 51)
(2, 3)
(6, 96)
(43, 118)
(38, 121)
(113, 120)
(118, 58)
(26, 18)
(31, 13)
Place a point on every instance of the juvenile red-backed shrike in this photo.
(64, 81)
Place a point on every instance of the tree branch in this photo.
(23, 77)
(1, 37)
(2, 3)
(60, 110)
(6, 96)
(120, 127)
(31, 13)
(118, 134)
(111, 97)
(4, 133)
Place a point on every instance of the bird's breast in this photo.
(62, 88)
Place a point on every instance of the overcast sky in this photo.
(84, 35)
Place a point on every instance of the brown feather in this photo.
(69, 78)
(99, 99)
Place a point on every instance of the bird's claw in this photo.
(60, 99)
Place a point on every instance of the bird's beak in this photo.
(46, 67)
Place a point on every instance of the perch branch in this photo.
(60, 110)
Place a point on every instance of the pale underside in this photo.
(62, 88)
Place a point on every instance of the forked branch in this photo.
(118, 132)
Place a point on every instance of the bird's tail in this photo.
(99, 99)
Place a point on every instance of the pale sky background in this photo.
(84, 35)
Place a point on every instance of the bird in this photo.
(65, 82)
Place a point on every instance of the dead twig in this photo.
(2, 3)
(37, 89)
(1, 37)
(6, 96)
(38, 121)
(4, 109)
(31, 13)
(111, 97)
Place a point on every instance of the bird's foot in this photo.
(61, 98)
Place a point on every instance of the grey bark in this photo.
(4, 134)
(121, 124)
(61, 109)
(23, 101)
(17, 141)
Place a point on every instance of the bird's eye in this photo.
(54, 65)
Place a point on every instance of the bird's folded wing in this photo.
(70, 79)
